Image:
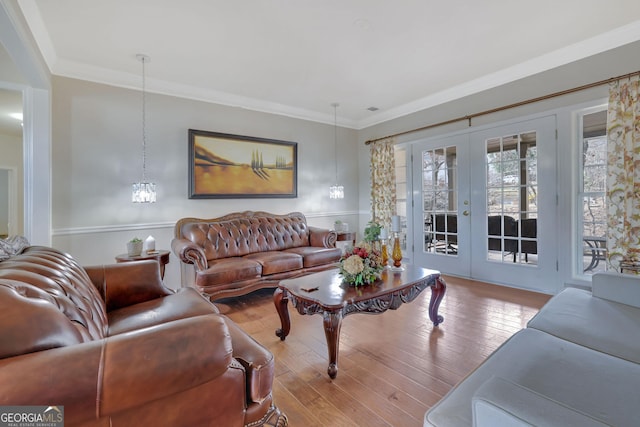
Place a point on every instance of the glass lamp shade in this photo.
(336, 192)
(143, 192)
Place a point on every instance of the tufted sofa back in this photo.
(47, 300)
(246, 233)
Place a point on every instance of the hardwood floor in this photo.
(393, 366)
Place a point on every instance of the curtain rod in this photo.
(507, 107)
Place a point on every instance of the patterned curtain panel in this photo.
(623, 172)
(383, 181)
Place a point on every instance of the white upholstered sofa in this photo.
(576, 364)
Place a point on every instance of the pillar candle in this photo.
(395, 224)
(150, 244)
(383, 234)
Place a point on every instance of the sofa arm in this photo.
(107, 376)
(616, 287)
(160, 361)
(189, 253)
(257, 361)
(499, 402)
(125, 284)
(322, 237)
(66, 375)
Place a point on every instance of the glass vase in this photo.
(396, 254)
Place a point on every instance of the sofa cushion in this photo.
(185, 303)
(503, 403)
(227, 270)
(597, 323)
(276, 261)
(11, 246)
(315, 256)
(593, 383)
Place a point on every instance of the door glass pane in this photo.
(512, 192)
(591, 195)
(439, 201)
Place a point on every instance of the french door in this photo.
(441, 205)
(485, 204)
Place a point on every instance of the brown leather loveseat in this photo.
(241, 252)
(115, 347)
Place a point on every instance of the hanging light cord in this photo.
(144, 121)
(335, 136)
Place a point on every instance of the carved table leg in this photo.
(280, 300)
(437, 292)
(332, 321)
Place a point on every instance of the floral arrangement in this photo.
(361, 265)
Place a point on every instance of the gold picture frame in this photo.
(226, 166)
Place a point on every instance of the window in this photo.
(592, 208)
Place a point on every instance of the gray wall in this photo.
(97, 138)
(4, 205)
(11, 162)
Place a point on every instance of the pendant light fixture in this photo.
(336, 191)
(144, 191)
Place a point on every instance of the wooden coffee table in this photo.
(325, 293)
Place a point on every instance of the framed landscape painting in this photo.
(229, 166)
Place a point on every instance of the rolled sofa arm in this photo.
(189, 253)
(66, 375)
(124, 371)
(257, 361)
(133, 361)
(499, 402)
(125, 284)
(322, 237)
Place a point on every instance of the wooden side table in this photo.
(346, 236)
(161, 256)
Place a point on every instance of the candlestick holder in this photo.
(384, 253)
(396, 254)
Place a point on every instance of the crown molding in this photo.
(81, 71)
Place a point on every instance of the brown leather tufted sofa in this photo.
(115, 347)
(241, 252)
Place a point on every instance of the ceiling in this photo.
(297, 57)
